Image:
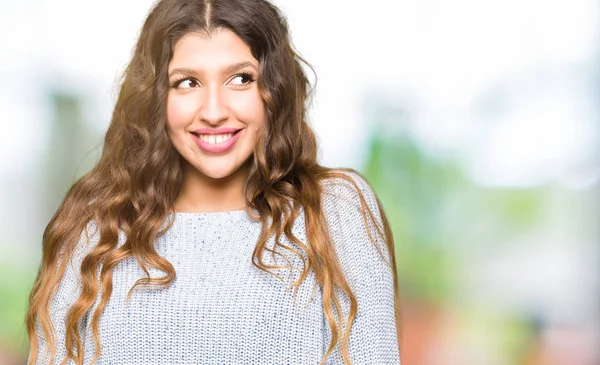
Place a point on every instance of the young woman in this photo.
(205, 209)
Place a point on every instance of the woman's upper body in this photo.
(212, 117)
(221, 309)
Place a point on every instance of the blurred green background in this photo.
(477, 123)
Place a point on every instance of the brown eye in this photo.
(242, 79)
(186, 84)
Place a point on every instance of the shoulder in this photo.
(89, 237)
(350, 204)
(345, 187)
(356, 223)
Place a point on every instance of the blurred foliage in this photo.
(70, 153)
(411, 188)
(68, 157)
(441, 221)
(437, 213)
(15, 284)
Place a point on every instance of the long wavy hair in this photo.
(134, 185)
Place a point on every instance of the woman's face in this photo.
(214, 107)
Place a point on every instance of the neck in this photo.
(200, 193)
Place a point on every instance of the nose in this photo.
(213, 108)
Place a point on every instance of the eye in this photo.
(186, 83)
(242, 79)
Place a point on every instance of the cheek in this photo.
(250, 109)
(180, 111)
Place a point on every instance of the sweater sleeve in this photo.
(373, 336)
(66, 294)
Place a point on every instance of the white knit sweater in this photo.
(222, 310)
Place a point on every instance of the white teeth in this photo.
(216, 139)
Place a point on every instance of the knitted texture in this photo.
(222, 310)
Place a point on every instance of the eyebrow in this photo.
(229, 69)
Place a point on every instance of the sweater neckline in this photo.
(213, 216)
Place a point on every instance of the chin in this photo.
(219, 169)
(218, 173)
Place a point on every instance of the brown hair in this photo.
(134, 185)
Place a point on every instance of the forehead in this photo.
(214, 52)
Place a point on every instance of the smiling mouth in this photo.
(215, 139)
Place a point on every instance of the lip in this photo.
(215, 131)
(220, 147)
